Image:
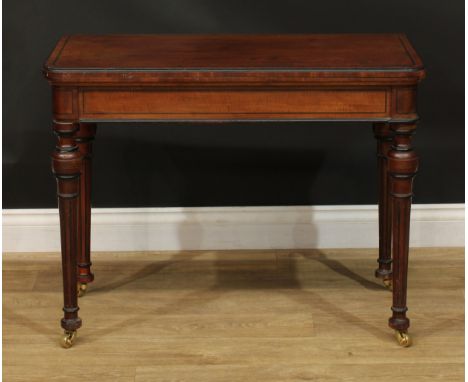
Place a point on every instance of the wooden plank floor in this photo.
(312, 315)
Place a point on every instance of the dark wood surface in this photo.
(384, 137)
(84, 140)
(204, 58)
(185, 52)
(235, 78)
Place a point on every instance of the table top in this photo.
(110, 58)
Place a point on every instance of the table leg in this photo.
(402, 166)
(66, 166)
(84, 139)
(383, 134)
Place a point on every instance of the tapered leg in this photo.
(66, 166)
(383, 134)
(84, 139)
(402, 166)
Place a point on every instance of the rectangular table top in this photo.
(229, 58)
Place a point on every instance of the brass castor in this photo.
(403, 338)
(82, 287)
(68, 338)
(388, 283)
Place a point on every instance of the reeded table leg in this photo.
(383, 134)
(66, 166)
(402, 166)
(84, 139)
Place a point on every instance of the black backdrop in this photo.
(231, 164)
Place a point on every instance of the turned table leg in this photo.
(402, 166)
(66, 166)
(383, 135)
(84, 140)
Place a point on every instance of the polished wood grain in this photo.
(235, 78)
(289, 315)
(233, 58)
(186, 52)
(233, 104)
(243, 77)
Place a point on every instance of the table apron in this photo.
(232, 104)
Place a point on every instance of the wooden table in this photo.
(218, 78)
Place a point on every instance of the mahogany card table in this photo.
(234, 78)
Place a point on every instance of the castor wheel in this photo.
(388, 283)
(68, 338)
(403, 338)
(82, 287)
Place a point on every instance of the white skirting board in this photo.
(145, 229)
